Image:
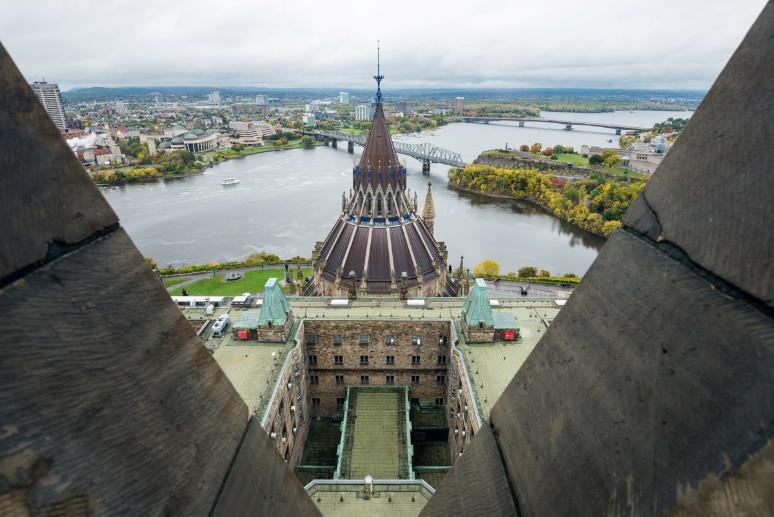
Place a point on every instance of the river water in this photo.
(287, 200)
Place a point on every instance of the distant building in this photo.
(343, 97)
(264, 129)
(246, 133)
(364, 112)
(121, 107)
(262, 100)
(196, 141)
(458, 105)
(51, 99)
(403, 107)
(214, 97)
(309, 119)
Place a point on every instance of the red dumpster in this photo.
(243, 335)
(509, 335)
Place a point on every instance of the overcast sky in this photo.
(425, 43)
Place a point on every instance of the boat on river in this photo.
(229, 181)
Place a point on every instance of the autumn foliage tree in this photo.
(487, 268)
(536, 148)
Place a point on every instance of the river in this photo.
(287, 200)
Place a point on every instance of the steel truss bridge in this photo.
(426, 153)
(568, 124)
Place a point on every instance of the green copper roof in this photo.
(477, 306)
(275, 306)
(247, 320)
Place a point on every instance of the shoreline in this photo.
(531, 201)
(207, 166)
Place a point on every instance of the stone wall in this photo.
(289, 408)
(377, 350)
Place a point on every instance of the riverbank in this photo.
(594, 204)
(145, 175)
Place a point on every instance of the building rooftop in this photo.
(404, 498)
(251, 368)
(275, 307)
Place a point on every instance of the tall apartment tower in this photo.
(51, 99)
(343, 97)
(458, 105)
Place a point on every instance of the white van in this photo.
(220, 326)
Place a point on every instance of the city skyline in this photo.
(486, 45)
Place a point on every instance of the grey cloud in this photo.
(432, 43)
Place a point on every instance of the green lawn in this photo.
(251, 282)
(575, 159)
(169, 282)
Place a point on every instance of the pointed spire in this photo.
(378, 75)
(428, 213)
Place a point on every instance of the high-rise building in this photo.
(343, 97)
(364, 112)
(403, 107)
(261, 100)
(214, 97)
(51, 99)
(458, 105)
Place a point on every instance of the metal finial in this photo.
(378, 75)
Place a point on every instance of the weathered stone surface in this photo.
(48, 200)
(260, 482)
(712, 194)
(623, 417)
(108, 399)
(476, 485)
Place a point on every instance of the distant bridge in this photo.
(425, 153)
(568, 124)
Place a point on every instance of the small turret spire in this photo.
(378, 75)
(428, 213)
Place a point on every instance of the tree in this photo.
(544, 274)
(548, 151)
(307, 141)
(570, 275)
(536, 147)
(527, 271)
(610, 158)
(524, 148)
(487, 268)
(151, 263)
(559, 149)
(596, 159)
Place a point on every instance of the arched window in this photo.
(390, 204)
(368, 203)
(379, 204)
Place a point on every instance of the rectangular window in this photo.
(415, 379)
(440, 401)
(443, 339)
(363, 359)
(312, 359)
(338, 359)
(314, 379)
(363, 340)
(389, 340)
(337, 340)
(315, 402)
(339, 402)
(390, 379)
(441, 359)
(310, 339)
(339, 379)
(390, 359)
(416, 340)
(364, 379)
(415, 359)
(440, 379)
